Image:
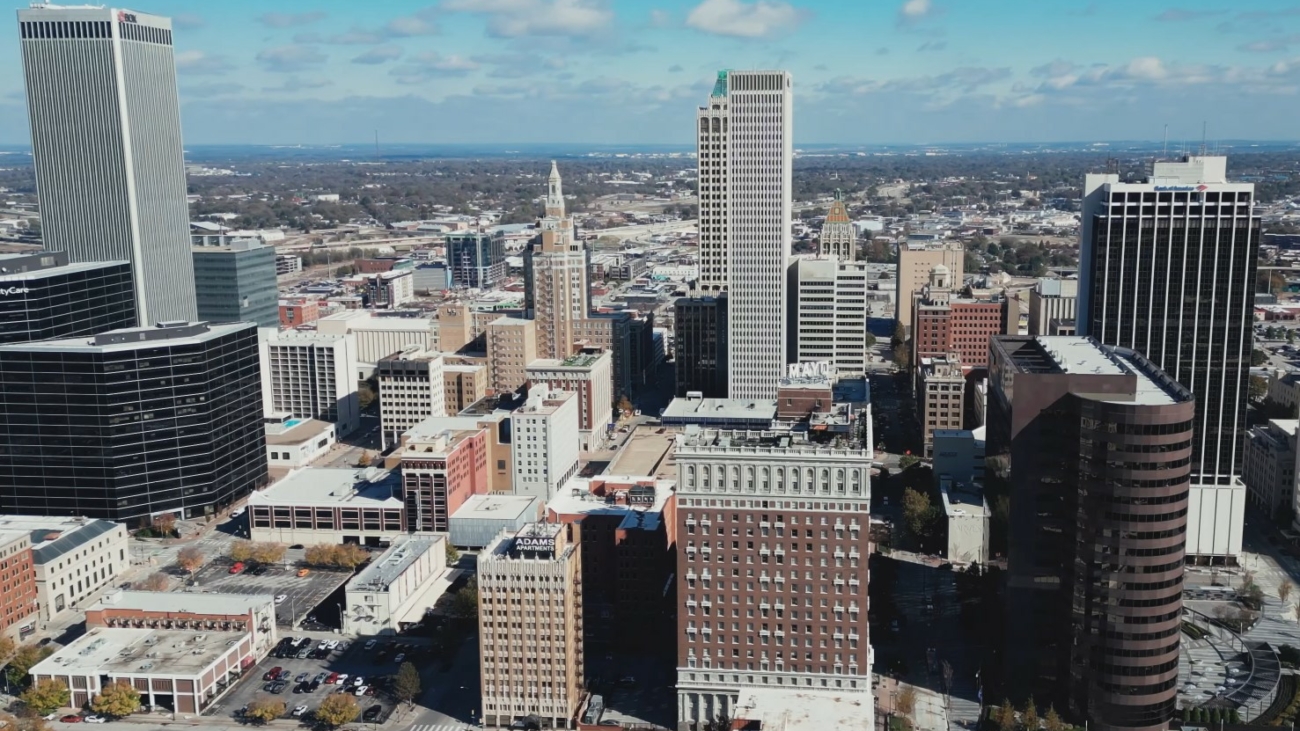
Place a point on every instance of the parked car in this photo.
(299, 711)
(361, 690)
(359, 680)
(301, 677)
(342, 679)
(284, 675)
(370, 645)
(95, 719)
(372, 713)
(331, 679)
(273, 673)
(320, 678)
(303, 572)
(71, 718)
(280, 599)
(239, 566)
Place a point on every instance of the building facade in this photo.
(1268, 466)
(511, 346)
(586, 374)
(410, 391)
(312, 376)
(1052, 300)
(560, 296)
(440, 472)
(165, 419)
(389, 290)
(74, 558)
(915, 262)
(236, 283)
(530, 627)
(1097, 443)
(106, 145)
(798, 505)
(42, 297)
(829, 312)
(395, 589)
(463, 384)
(297, 312)
(322, 505)
(944, 323)
(700, 345)
(839, 237)
(545, 451)
(745, 150)
(476, 260)
(940, 394)
(20, 603)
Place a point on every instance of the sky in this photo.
(629, 72)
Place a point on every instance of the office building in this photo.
(463, 384)
(310, 375)
(531, 578)
(286, 264)
(493, 417)
(700, 345)
(744, 148)
(297, 312)
(1178, 288)
(511, 346)
(482, 518)
(410, 391)
(476, 259)
(1096, 540)
(388, 290)
(586, 374)
(106, 145)
(236, 283)
(74, 558)
(132, 422)
(440, 471)
(42, 297)
(395, 589)
(943, 322)
(380, 334)
(773, 484)
(20, 602)
(829, 312)
(319, 505)
(915, 262)
(455, 324)
(839, 237)
(1052, 300)
(544, 449)
(559, 279)
(1269, 466)
(940, 394)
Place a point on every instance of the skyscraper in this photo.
(106, 141)
(42, 296)
(235, 282)
(476, 259)
(838, 237)
(745, 152)
(559, 277)
(1167, 268)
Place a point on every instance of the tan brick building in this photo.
(512, 345)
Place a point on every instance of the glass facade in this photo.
(476, 259)
(235, 284)
(133, 423)
(45, 298)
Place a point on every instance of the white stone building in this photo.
(1269, 465)
(589, 375)
(75, 558)
(829, 312)
(411, 389)
(396, 588)
(311, 376)
(545, 442)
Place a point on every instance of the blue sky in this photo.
(632, 71)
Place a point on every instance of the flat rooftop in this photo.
(125, 651)
(135, 338)
(648, 451)
(276, 434)
(576, 498)
(36, 265)
(683, 409)
(778, 709)
(320, 486)
(503, 321)
(795, 442)
(1071, 354)
(961, 499)
(182, 602)
(405, 550)
(497, 507)
(52, 536)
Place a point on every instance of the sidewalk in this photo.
(930, 713)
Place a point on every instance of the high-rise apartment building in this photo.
(440, 471)
(586, 374)
(839, 238)
(106, 144)
(476, 259)
(700, 345)
(132, 423)
(311, 376)
(559, 278)
(940, 395)
(1167, 268)
(462, 385)
(530, 626)
(772, 553)
(1097, 441)
(915, 262)
(829, 312)
(745, 150)
(545, 450)
(411, 389)
(42, 296)
(1052, 305)
(236, 283)
(511, 346)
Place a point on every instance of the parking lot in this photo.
(302, 593)
(376, 665)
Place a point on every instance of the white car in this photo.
(332, 644)
(280, 599)
(369, 645)
(361, 690)
(298, 711)
(341, 679)
(359, 680)
(94, 719)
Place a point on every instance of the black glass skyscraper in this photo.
(132, 422)
(476, 259)
(42, 296)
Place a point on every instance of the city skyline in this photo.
(905, 71)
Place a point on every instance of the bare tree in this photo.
(905, 703)
(157, 581)
(190, 558)
(165, 524)
(946, 670)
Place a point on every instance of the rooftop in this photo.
(695, 439)
(122, 651)
(134, 338)
(497, 507)
(183, 603)
(533, 541)
(404, 551)
(22, 267)
(780, 709)
(962, 499)
(697, 408)
(53, 537)
(368, 488)
(576, 496)
(277, 434)
(1070, 354)
(580, 360)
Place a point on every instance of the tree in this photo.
(1005, 715)
(406, 686)
(337, 709)
(908, 460)
(267, 709)
(7, 649)
(23, 722)
(46, 696)
(1258, 388)
(453, 555)
(917, 511)
(240, 551)
(1053, 720)
(156, 581)
(905, 703)
(365, 459)
(24, 659)
(347, 555)
(871, 340)
(625, 406)
(117, 700)
(190, 558)
(720, 722)
(165, 524)
(1258, 357)
(464, 603)
(1029, 717)
(268, 552)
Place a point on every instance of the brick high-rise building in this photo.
(586, 374)
(1098, 444)
(947, 323)
(915, 261)
(18, 608)
(559, 278)
(773, 541)
(940, 394)
(440, 471)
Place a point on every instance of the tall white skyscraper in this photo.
(106, 139)
(745, 153)
(559, 277)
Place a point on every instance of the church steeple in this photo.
(554, 194)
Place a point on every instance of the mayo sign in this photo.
(6, 291)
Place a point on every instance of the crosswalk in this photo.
(441, 727)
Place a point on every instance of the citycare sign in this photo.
(536, 544)
(6, 291)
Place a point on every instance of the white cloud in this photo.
(518, 18)
(916, 9)
(429, 66)
(188, 21)
(759, 19)
(293, 85)
(409, 26)
(292, 57)
(199, 63)
(378, 55)
(290, 20)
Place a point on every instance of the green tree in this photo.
(406, 686)
(917, 511)
(908, 461)
(1258, 388)
(24, 659)
(117, 700)
(46, 696)
(453, 555)
(337, 709)
(905, 702)
(1258, 357)
(1029, 717)
(267, 709)
(464, 603)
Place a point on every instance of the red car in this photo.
(71, 719)
(239, 566)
